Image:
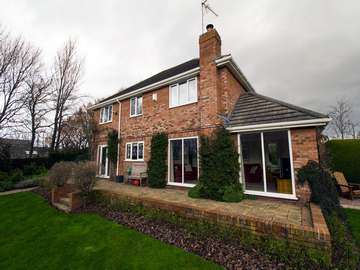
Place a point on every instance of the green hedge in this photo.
(345, 157)
(157, 164)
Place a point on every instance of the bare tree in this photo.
(17, 62)
(341, 115)
(353, 129)
(67, 71)
(78, 130)
(36, 106)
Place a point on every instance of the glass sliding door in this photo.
(103, 161)
(176, 161)
(277, 162)
(183, 161)
(267, 163)
(252, 160)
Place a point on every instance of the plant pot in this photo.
(135, 182)
(119, 178)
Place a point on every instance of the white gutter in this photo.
(118, 146)
(229, 62)
(184, 75)
(281, 125)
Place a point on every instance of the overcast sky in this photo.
(305, 52)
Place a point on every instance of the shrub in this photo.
(3, 176)
(85, 177)
(157, 168)
(323, 192)
(345, 157)
(196, 192)
(322, 185)
(233, 193)
(219, 162)
(27, 183)
(113, 141)
(16, 176)
(34, 169)
(6, 185)
(61, 173)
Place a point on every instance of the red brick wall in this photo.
(304, 146)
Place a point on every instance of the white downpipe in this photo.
(118, 146)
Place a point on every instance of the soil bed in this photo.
(231, 255)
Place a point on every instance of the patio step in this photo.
(62, 207)
(65, 201)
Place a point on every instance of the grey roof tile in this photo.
(255, 109)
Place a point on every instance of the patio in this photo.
(261, 216)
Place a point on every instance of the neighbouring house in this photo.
(274, 138)
(20, 149)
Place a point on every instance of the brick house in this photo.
(274, 138)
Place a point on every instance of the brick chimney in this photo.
(209, 95)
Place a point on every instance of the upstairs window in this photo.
(136, 106)
(183, 93)
(106, 114)
(135, 151)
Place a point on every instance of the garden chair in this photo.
(137, 171)
(351, 190)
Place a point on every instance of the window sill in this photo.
(104, 123)
(134, 160)
(181, 105)
(180, 184)
(134, 116)
(271, 194)
(103, 176)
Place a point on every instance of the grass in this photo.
(33, 235)
(353, 217)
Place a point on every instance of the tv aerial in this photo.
(205, 8)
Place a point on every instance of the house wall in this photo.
(304, 148)
(218, 91)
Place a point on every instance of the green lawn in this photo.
(354, 222)
(36, 236)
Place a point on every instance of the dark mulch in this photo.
(231, 255)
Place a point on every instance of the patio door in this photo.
(183, 161)
(267, 168)
(103, 161)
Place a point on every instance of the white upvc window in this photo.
(134, 151)
(103, 161)
(183, 93)
(106, 114)
(136, 106)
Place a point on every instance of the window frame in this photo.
(131, 148)
(136, 98)
(101, 114)
(178, 104)
(182, 184)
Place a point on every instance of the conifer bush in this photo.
(219, 163)
(157, 169)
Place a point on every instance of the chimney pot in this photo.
(209, 27)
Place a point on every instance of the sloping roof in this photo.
(256, 109)
(168, 73)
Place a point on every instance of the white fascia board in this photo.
(168, 81)
(281, 125)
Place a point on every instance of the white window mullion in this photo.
(263, 161)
